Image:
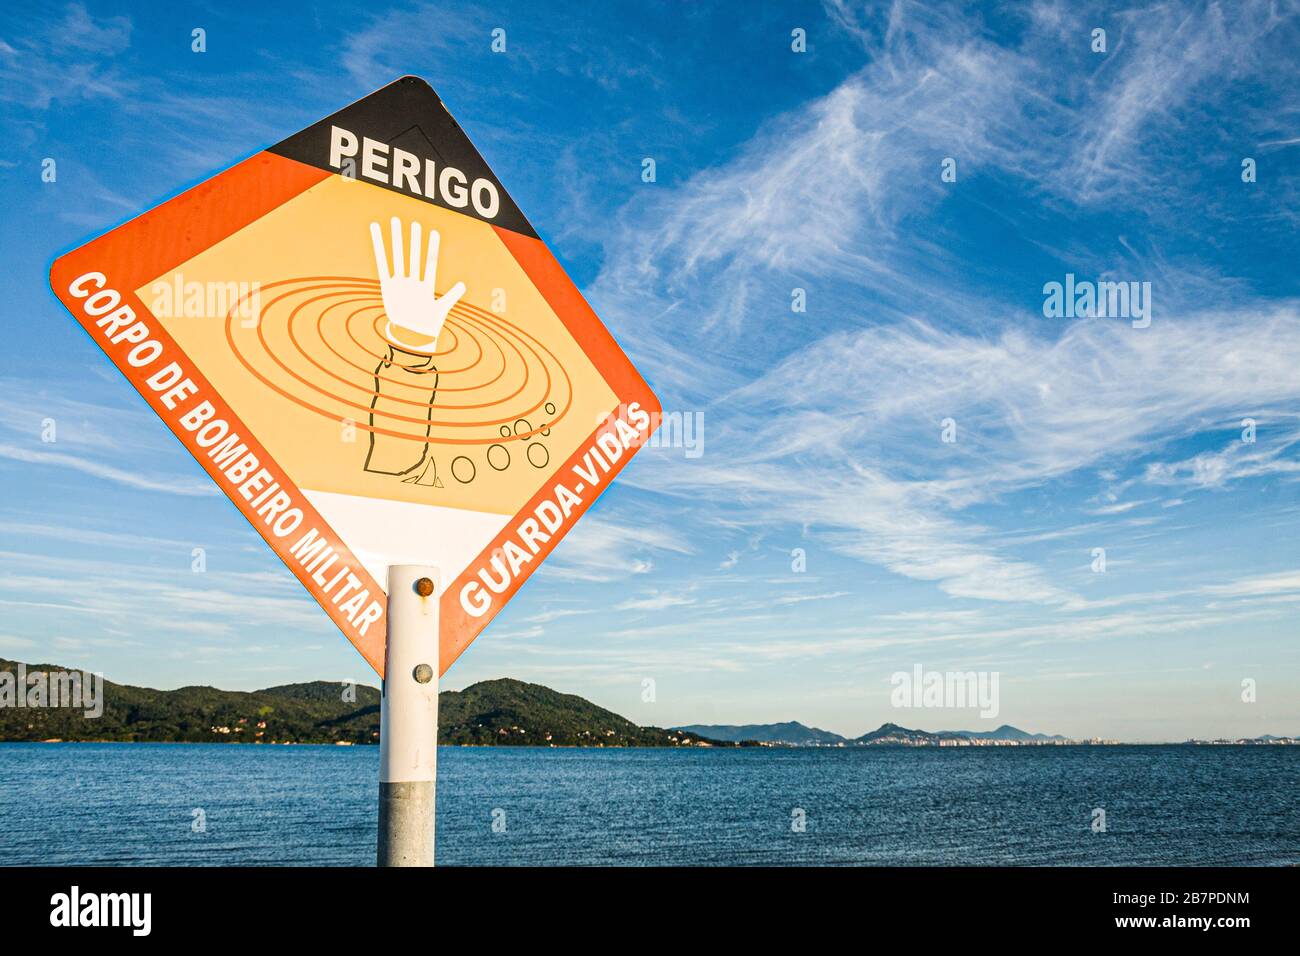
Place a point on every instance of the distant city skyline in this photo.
(902, 452)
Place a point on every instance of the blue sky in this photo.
(822, 430)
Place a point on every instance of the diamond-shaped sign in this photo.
(362, 340)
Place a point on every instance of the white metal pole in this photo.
(408, 719)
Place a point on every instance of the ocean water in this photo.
(315, 806)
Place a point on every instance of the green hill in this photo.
(491, 713)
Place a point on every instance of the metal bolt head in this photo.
(423, 673)
(424, 587)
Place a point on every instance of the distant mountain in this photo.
(490, 713)
(794, 734)
(893, 733)
(791, 733)
(1005, 732)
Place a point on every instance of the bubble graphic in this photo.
(463, 470)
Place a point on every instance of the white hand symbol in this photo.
(409, 300)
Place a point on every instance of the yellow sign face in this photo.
(504, 396)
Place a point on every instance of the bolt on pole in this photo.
(408, 719)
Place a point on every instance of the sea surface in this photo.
(315, 806)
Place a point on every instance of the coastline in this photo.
(753, 745)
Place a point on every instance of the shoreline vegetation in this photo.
(494, 713)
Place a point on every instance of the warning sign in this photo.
(365, 344)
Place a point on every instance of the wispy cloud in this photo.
(132, 479)
(1264, 584)
(601, 550)
(823, 198)
(68, 58)
(657, 601)
(820, 192)
(1237, 461)
(137, 596)
(558, 614)
(1168, 53)
(1029, 410)
(801, 598)
(46, 429)
(392, 42)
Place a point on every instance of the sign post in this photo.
(408, 719)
